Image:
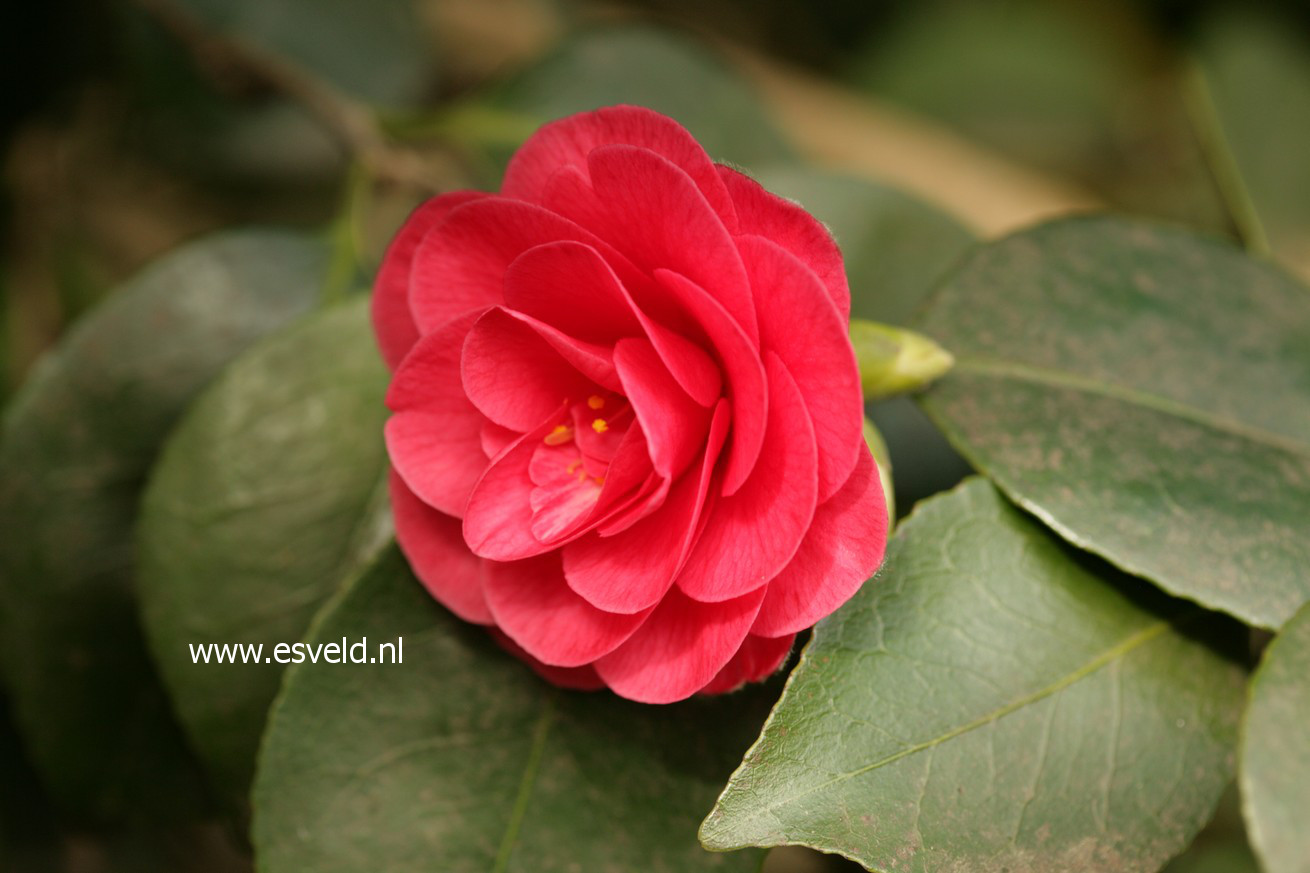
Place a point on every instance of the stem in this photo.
(352, 123)
(1220, 161)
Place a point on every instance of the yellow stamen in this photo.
(595, 401)
(600, 425)
(559, 436)
(573, 466)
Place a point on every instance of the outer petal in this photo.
(392, 320)
(791, 227)
(568, 142)
(674, 424)
(757, 658)
(842, 548)
(799, 323)
(435, 437)
(577, 678)
(514, 376)
(681, 647)
(631, 570)
(460, 265)
(747, 385)
(750, 536)
(436, 551)
(535, 608)
(651, 211)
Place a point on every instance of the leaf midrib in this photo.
(1005, 369)
(1107, 657)
(540, 731)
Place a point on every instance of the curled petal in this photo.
(460, 264)
(534, 607)
(680, 647)
(757, 658)
(747, 384)
(514, 376)
(569, 286)
(674, 424)
(750, 536)
(392, 320)
(435, 437)
(791, 227)
(436, 551)
(842, 548)
(651, 211)
(568, 142)
(800, 324)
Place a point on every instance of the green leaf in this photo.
(896, 247)
(1275, 759)
(376, 50)
(647, 67)
(77, 443)
(992, 701)
(1222, 846)
(460, 759)
(1145, 392)
(262, 500)
(894, 360)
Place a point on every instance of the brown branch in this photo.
(350, 122)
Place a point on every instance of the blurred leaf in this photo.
(1257, 68)
(1275, 759)
(992, 701)
(376, 50)
(460, 759)
(78, 440)
(1035, 79)
(263, 498)
(895, 246)
(1145, 392)
(668, 73)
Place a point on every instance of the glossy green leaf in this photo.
(77, 443)
(647, 67)
(1146, 392)
(460, 759)
(895, 246)
(992, 701)
(263, 498)
(1275, 762)
(376, 50)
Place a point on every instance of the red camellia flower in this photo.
(627, 430)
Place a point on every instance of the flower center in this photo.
(568, 468)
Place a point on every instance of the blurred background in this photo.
(912, 129)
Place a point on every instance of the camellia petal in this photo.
(758, 658)
(842, 548)
(747, 383)
(675, 425)
(631, 570)
(392, 320)
(435, 437)
(570, 286)
(791, 227)
(680, 648)
(800, 325)
(750, 536)
(582, 678)
(434, 545)
(569, 141)
(536, 609)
